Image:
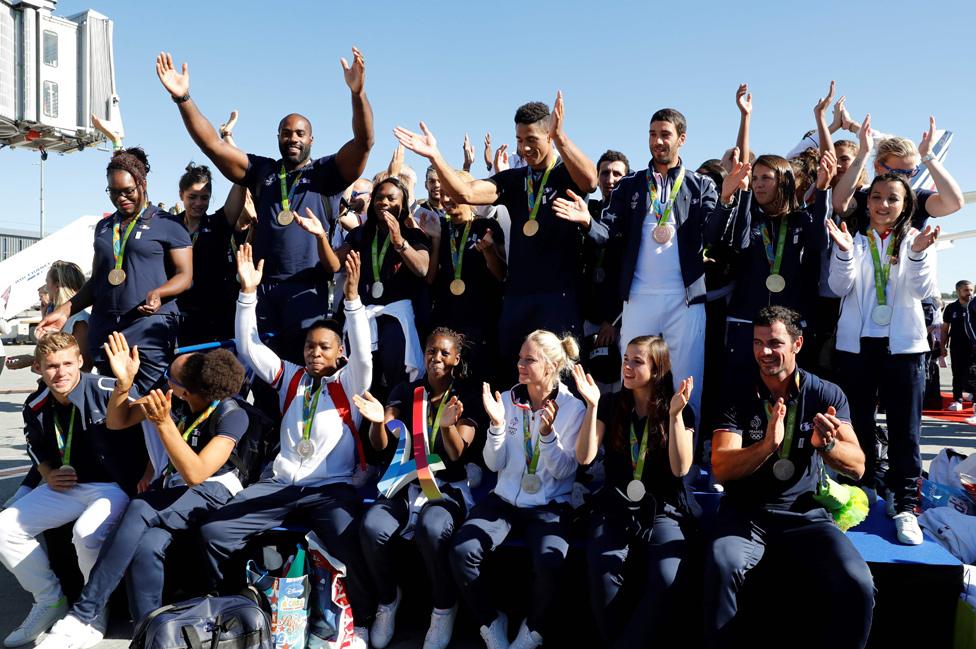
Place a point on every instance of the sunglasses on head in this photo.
(910, 173)
(169, 377)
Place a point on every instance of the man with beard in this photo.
(777, 428)
(294, 289)
(545, 249)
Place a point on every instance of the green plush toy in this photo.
(847, 504)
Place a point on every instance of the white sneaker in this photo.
(39, 620)
(71, 633)
(955, 406)
(907, 529)
(381, 632)
(360, 638)
(526, 639)
(441, 627)
(496, 635)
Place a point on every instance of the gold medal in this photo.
(530, 228)
(457, 287)
(662, 234)
(285, 217)
(116, 276)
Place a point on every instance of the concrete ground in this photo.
(15, 385)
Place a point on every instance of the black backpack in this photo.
(259, 445)
(234, 622)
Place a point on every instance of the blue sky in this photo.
(465, 67)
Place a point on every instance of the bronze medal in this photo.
(457, 287)
(662, 234)
(285, 217)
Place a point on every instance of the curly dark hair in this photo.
(460, 344)
(614, 156)
(196, 174)
(134, 161)
(214, 375)
(532, 113)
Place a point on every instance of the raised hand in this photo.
(558, 116)
(430, 223)
(820, 108)
(865, 136)
(249, 214)
(494, 407)
(926, 238)
(396, 237)
(370, 407)
(227, 128)
(925, 146)
(501, 158)
(825, 426)
(310, 223)
(156, 406)
(586, 386)
(548, 417)
(826, 170)
(353, 270)
(123, 360)
(842, 238)
(775, 429)
(488, 150)
(681, 396)
(468, 152)
(737, 179)
(248, 274)
(453, 410)
(573, 210)
(838, 121)
(176, 83)
(485, 244)
(743, 99)
(423, 144)
(355, 74)
(52, 322)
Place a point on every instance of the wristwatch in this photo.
(183, 99)
(928, 157)
(402, 246)
(829, 447)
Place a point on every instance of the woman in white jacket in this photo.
(531, 444)
(882, 277)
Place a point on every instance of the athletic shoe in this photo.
(360, 638)
(955, 406)
(907, 529)
(971, 421)
(441, 628)
(71, 633)
(526, 639)
(381, 632)
(496, 635)
(39, 620)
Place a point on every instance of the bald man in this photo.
(291, 195)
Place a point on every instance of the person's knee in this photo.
(9, 529)
(726, 558)
(376, 530)
(550, 560)
(435, 526)
(851, 580)
(466, 555)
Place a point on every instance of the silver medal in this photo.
(783, 469)
(305, 448)
(531, 483)
(377, 290)
(881, 315)
(636, 490)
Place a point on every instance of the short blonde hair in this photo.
(898, 147)
(561, 353)
(54, 342)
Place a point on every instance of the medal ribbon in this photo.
(881, 271)
(286, 193)
(789, 424)
(457, 250)
(535, 199)
(118, 241)
(309, 403)
(531, 457)
(638, 452)
(775, 260)
(663, 213)
(434, 424)
(378, 259)
(421, 453)
(189, 431)
(64, 446)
